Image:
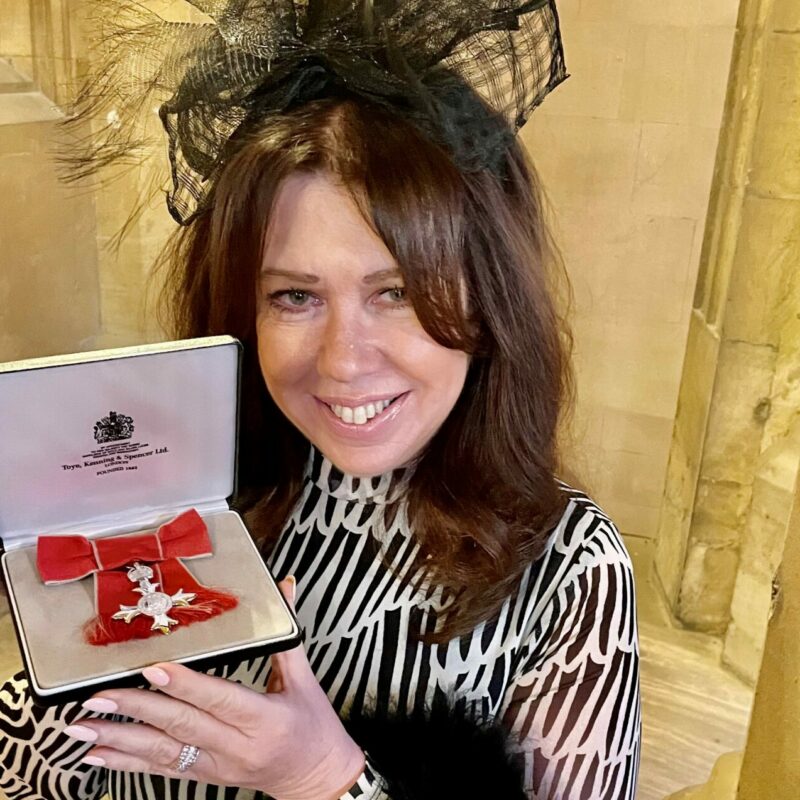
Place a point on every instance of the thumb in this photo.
(288, 586)
(288, 666)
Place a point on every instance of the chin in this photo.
(365, 462)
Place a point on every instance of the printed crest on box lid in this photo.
(104, 442)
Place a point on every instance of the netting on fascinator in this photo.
(467, 73)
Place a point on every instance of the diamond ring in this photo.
(189, 754)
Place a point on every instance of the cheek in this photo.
(283, 355)
(454, 374)
(440, 370)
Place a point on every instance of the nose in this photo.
(346, 350)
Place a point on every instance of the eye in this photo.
(290, 301)
(296, 297)
(396, 295)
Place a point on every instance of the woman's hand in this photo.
(288, 742)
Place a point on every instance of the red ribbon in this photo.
(69, 558)
(62, 559)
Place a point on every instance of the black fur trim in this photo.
(439, 754)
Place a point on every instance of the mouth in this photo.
(363, 414)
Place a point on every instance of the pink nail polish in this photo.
(293, 581)
(101, 705)
(80, 733)
(156, 676)
(93, 761)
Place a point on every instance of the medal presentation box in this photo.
(116, 443)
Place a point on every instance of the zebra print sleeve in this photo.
(369, 786)
(574, 705)
(37, 761)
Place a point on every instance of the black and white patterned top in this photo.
(559, 666)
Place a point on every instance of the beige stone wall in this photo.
(736, 445)
(128, 296)
(63, 285)
(16, 41)
(626, 147)
(49, 296)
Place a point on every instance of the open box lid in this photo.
(114, 440)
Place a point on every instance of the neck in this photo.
(385, 488)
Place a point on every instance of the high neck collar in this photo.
(378, 489)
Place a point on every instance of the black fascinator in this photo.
(467, 73)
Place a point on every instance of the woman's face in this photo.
(341, 350)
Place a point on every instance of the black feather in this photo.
(441, 752)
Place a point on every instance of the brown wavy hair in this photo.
(483, 496)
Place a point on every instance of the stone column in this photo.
(733, 457)
(771, 766)
(769, 283)
(699, 380)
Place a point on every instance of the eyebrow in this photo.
(307, 277)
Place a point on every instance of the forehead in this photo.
(315, 225)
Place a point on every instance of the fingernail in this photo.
(80, 733)
(101, 705)
(94, 761)
(293, 582)
(156, 676)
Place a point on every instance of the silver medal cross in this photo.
(152, 603)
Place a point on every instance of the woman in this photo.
(391, 320)
(469, 618)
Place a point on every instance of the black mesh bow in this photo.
(468, 73)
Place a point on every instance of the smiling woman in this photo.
(339, 193)
(367, 225)
(348, 362)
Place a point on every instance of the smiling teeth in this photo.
(360, 414)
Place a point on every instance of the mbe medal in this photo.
(152, 603)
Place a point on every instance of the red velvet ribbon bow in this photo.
(62, 559)
(69, 558)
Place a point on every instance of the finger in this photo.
(143, 741)
(290, 667)
(275, 682)
(288, 587)
(204, 769)
(225, 701)
(180, 720)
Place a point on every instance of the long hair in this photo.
(482, 274)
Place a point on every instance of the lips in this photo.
(353, 402)
(355, 428)
(359, 414)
